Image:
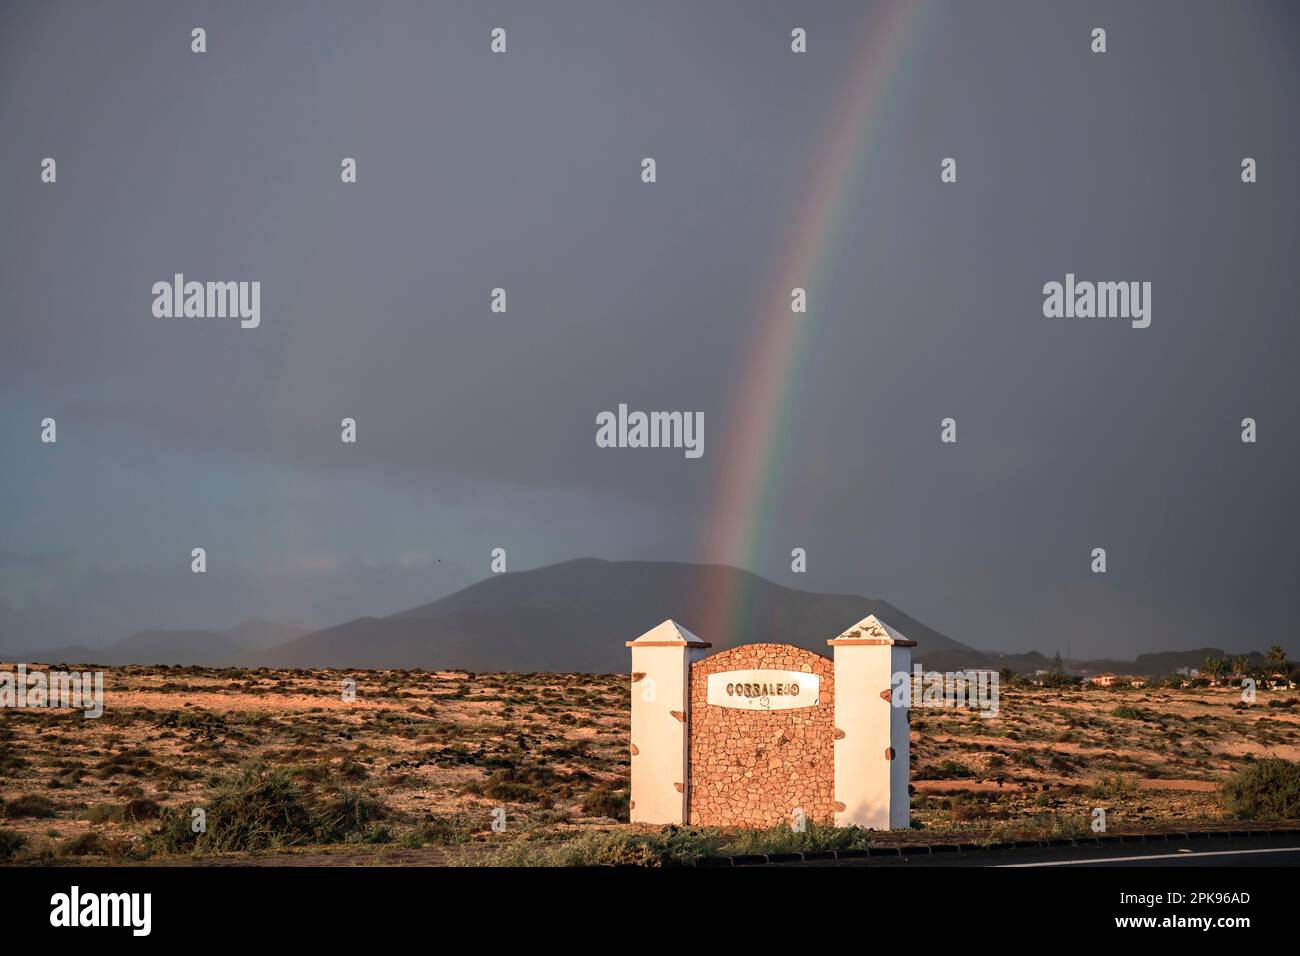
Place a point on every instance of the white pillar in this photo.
(871, 734)
(661, 696)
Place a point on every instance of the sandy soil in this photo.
(440, 753)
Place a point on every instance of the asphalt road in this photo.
(1220, 851)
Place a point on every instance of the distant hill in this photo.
(575, 616)
(175, 646)
(1159, 664)
(572, 617)
(260, 633)
(1162, 663)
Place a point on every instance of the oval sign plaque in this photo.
(764, 690)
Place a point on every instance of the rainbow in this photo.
(761, 410)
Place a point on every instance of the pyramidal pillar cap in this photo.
(871, 630)
(668, 634)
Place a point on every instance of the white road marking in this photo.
(1180, 855)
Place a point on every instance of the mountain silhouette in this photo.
(192, 646)
(572, 617)
(575, 616)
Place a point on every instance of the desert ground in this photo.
(419, 767)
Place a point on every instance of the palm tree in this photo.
(1213, 666)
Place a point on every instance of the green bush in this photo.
(1129, 712)
(527, 782)
(104, 813)
(92, 844)
(348, 817)
(672, 846)
(815, 837)
(141, 808)
(133, 811)
(951, 769)
(11, 763)
(963, 807)
(602, 803)
(440, 831)
(258, 809)
(11, 841)
(29, 805)
(1268, 789)
(1113, 788)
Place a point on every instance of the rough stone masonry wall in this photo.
(753, 768)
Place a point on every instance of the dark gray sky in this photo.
(522, 170)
